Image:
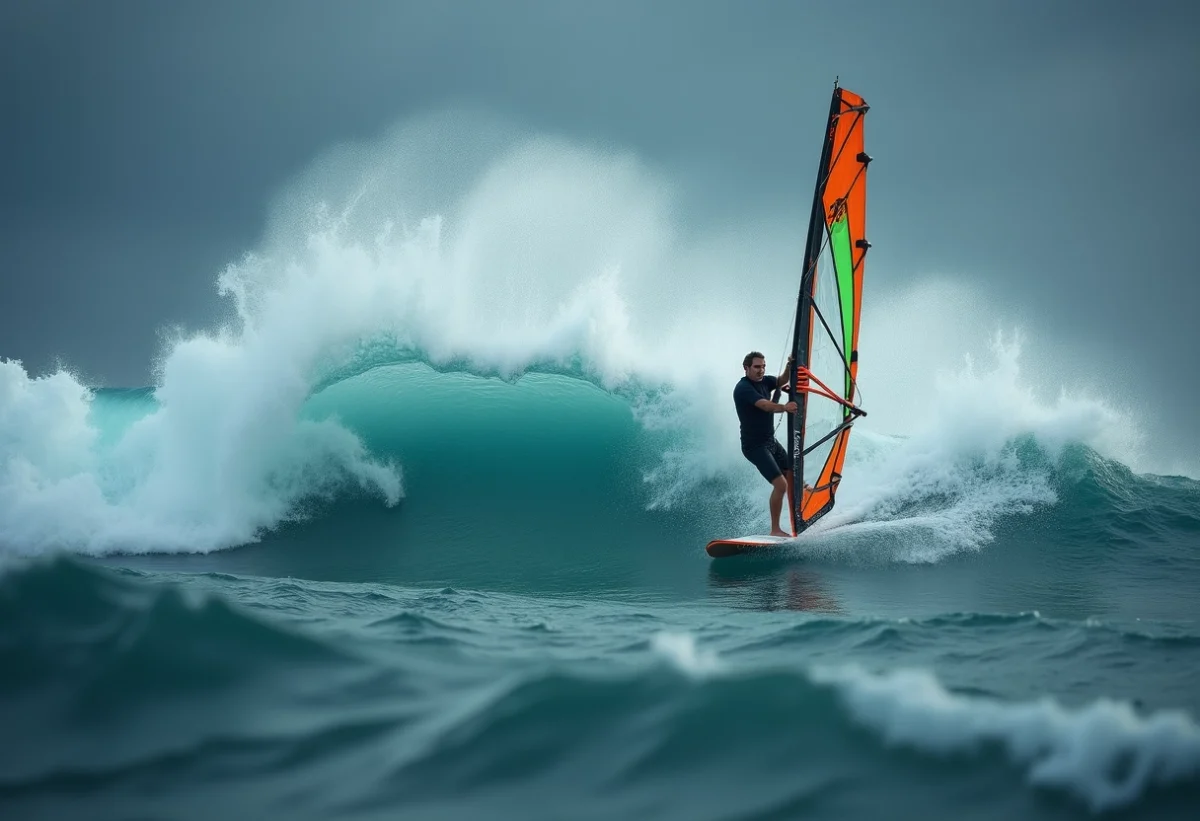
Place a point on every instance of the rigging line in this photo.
(813, 264)
(861, 169)
(836, 346)
(808, 301)
(786, 345)
(840, 353)
(842, 147)
(846, 424)
(826, 241)
(776, 395)
(854, 266)
(816, 309)
(825, 181)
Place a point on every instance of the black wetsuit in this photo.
(759, 444)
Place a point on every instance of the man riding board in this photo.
(755, 410)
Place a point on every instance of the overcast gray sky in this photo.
(1042, 148)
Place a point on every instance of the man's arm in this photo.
(745, 395)
(774, 407)
(784, 380)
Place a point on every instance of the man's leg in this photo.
(778, 489)
(767, 460)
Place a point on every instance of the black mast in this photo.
(803, 328)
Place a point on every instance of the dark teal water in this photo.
(994, 629)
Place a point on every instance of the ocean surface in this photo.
(409, 538)
(530, 628)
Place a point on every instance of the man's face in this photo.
(757, 369)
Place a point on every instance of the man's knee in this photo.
(779, 484)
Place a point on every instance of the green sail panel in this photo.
(839, 240)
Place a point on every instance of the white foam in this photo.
(197, 474)
(939, 488)
(680, 649)
(1103, 752)
(986, 448)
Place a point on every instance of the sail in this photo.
(825, 340)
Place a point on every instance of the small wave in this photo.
(118, 642)
(1104, 753)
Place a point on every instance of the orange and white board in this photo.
(721, 548)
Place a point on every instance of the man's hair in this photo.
(750, 357)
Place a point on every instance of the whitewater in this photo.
(417, 531)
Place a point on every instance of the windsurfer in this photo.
(752, 400)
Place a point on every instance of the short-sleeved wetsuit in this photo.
(759, 444)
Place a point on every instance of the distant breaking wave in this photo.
(542, 259)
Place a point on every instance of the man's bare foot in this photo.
(778, 532)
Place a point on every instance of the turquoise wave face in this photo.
(549, 483)
(537, 481)
(543, 436)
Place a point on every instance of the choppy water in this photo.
(528, 635)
